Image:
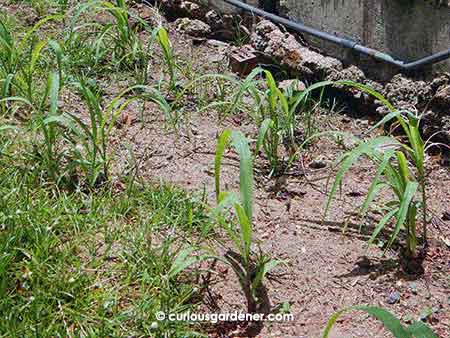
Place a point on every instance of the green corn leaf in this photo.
(263, 270)
(240, 143)
(375, 186)
(54, 93)
(265, 126)
(272, 89)
(420, 330)
(402, 213)
(57, 49)
(393, 114)
(390, 322)
(246, 231)
(381, 224)
(403, 167)
(365, 148)
(222, 144)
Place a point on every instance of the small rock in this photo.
(194, 27)
(217, 43)
(318, 164)
(216, 58)
(354, 192)
(296, 85)
(446, 216)
(425, 313)
(394, 297)
(413, 288)
(214, 19)
(442, 96)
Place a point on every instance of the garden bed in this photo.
(96, 255)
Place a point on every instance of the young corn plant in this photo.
(90, 139)
(416, 330)
(164, 42)
(250, 268)
(400, 169)
(110, 43)
(20, 59)
(276, 114)
(49, 153)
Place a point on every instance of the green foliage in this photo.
(169, 57)
(92, 264)
(22, 59)
(390, 322)
(401, 169)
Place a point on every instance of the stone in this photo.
(442, 96)
(296, 85)
(446, 216)
(193, 27)
(405, 93)
(214, 19)
(217, 43)
(394, 297)
(318, 164)
(181, 8)
(351, 73)
(284, 47)
(413, 287)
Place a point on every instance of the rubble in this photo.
(181, 8)
(270, 40)
(243, 60)
(193, 27)
(432, 98)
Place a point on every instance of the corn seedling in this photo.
(276, 114)
(163, 39)
(49, 150)
(109, 43)
(90, 139)
(391, 323)
(401, 169)
(250, 268)
(19, 61)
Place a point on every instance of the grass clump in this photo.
(93, 265)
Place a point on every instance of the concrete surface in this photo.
(408, 29)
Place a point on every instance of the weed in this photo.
(92, 264)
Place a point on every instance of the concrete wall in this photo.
(408, 29)
(226, 8)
